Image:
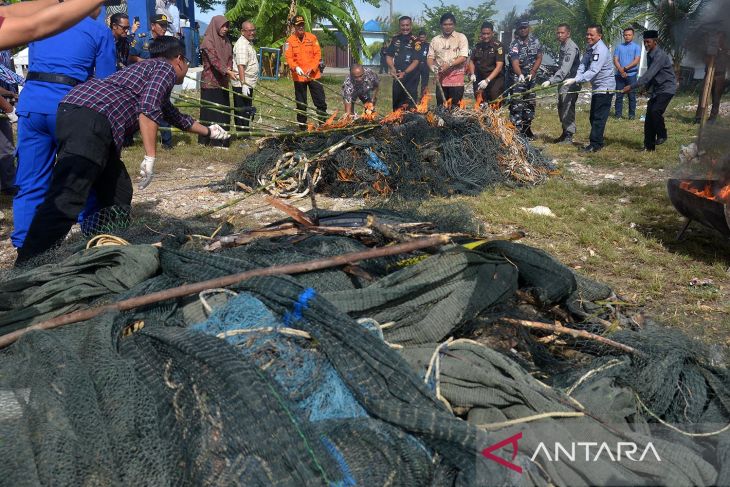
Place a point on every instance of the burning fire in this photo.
(463, 104)
(721, 194)
(395, 117)
(479, 100)
(328, 123)
(447, 103)
(369, 113)
(423, 105)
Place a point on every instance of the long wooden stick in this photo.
(564, 330)
(188, 289)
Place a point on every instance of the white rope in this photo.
(672, 427)
(606, 366)
(219, 290)
(434, 367)
(269, 329)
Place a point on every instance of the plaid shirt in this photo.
(143, 87)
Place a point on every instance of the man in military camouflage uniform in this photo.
(525, 54)
(567, 94)
(403, 58)
(485, 65)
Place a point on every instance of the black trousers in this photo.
(400, 96)
(87, 159)
(424, 74)
(654, 127)
(243, 107)
(600, 109)
(453, 93)
(300, 94)
(210, 116)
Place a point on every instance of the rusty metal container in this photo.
(709, 212)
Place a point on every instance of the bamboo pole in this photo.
(221, 282)
(706, 88)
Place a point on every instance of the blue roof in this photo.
(372, 26)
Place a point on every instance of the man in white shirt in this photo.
(246, 63)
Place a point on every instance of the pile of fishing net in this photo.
(399, 370)
(413, 156)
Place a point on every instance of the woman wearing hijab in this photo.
(217, 53)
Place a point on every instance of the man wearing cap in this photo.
(525, 55)
(567, 94)
(596, 67)
(93, 120)
(140, 50)
(57, 64)
(659, 79)
(303, 55)
(485, 65)
(403, 57)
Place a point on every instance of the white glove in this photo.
(146, 170)
(435, 68)
(473, 78)
(483, 84)
(217, 132)
(521, 79)
(529, 77)
(246, 90)
(545, 84)
(569, 81)
(299, 71)
(12, 116)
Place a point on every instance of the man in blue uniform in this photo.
(525, 55)
(57, 64)
(139, 50)
(403, 56)
(596, 67)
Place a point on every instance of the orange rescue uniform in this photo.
(304, 53)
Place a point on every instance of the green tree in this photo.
(675, 20)
(271, 18)
(612, 15)
(468, 21)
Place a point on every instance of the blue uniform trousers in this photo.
(620, 83)
(36, 156)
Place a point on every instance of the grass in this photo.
(624, 236)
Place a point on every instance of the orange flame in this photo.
(310, 127)
(369, 113)
(328, 123)
(479, 100)
(395, 117)
(447, 103)
(462, 104)
(722, 195)
(423, 105)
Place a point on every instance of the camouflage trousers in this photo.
(522, 107)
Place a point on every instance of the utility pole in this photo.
(390, 6)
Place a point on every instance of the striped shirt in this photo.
(142, 88)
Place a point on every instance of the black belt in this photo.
(61, 79)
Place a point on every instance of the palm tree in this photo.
(272, 17)
(612, 15)
(675, 20)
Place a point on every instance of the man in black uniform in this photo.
(404, 55)
(485, 65)
(425, 73)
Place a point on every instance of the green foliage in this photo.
(675, 20)
(468, 21)
(270, 18)
(208, 5)
(612, 15)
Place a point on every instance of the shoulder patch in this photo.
(595, 57)
(499, 50)
(417, 46)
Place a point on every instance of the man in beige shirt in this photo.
(246, 64)
(447, 59)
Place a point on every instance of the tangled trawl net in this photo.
(451, 152)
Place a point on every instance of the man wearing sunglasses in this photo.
(119, 24)
(93, 120)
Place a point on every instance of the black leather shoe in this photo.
(660, 141)
(566, 141)
(647, 149)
